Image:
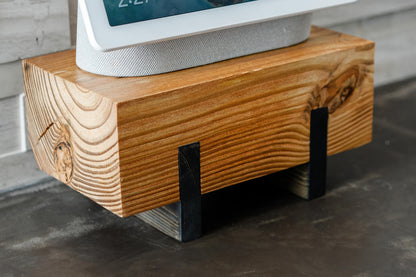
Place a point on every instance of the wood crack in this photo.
(44, 132)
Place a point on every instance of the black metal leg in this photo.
(190, 191)
(308, 181)
(183, 220)
(318, 153)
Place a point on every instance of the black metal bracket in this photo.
(183, 220)
(189, 164)
(190, 219)
(318, 153)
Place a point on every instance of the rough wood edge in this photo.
(165, 219)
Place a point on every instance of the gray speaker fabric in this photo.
(191, 51)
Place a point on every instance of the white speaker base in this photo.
(191, 51)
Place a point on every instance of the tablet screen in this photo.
(121, 12)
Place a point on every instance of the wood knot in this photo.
(64, 165)
(337, 91)
(341, 89)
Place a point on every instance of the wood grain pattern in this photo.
(165, 219)
(73, 133)
(296, 180)
(250, 114)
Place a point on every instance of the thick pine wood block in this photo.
(116, 139)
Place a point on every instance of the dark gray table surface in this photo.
(365, 226)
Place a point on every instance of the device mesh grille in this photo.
(191, 51)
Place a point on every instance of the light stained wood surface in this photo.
(119, 136)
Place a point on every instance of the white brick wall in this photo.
(11, 79)
(10, 126)
(361, 10)
(32, 28)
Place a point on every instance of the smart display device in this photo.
(144, 37)
(113, 24)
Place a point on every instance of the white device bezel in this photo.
(104, 37)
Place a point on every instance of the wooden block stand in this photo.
(138, 145)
